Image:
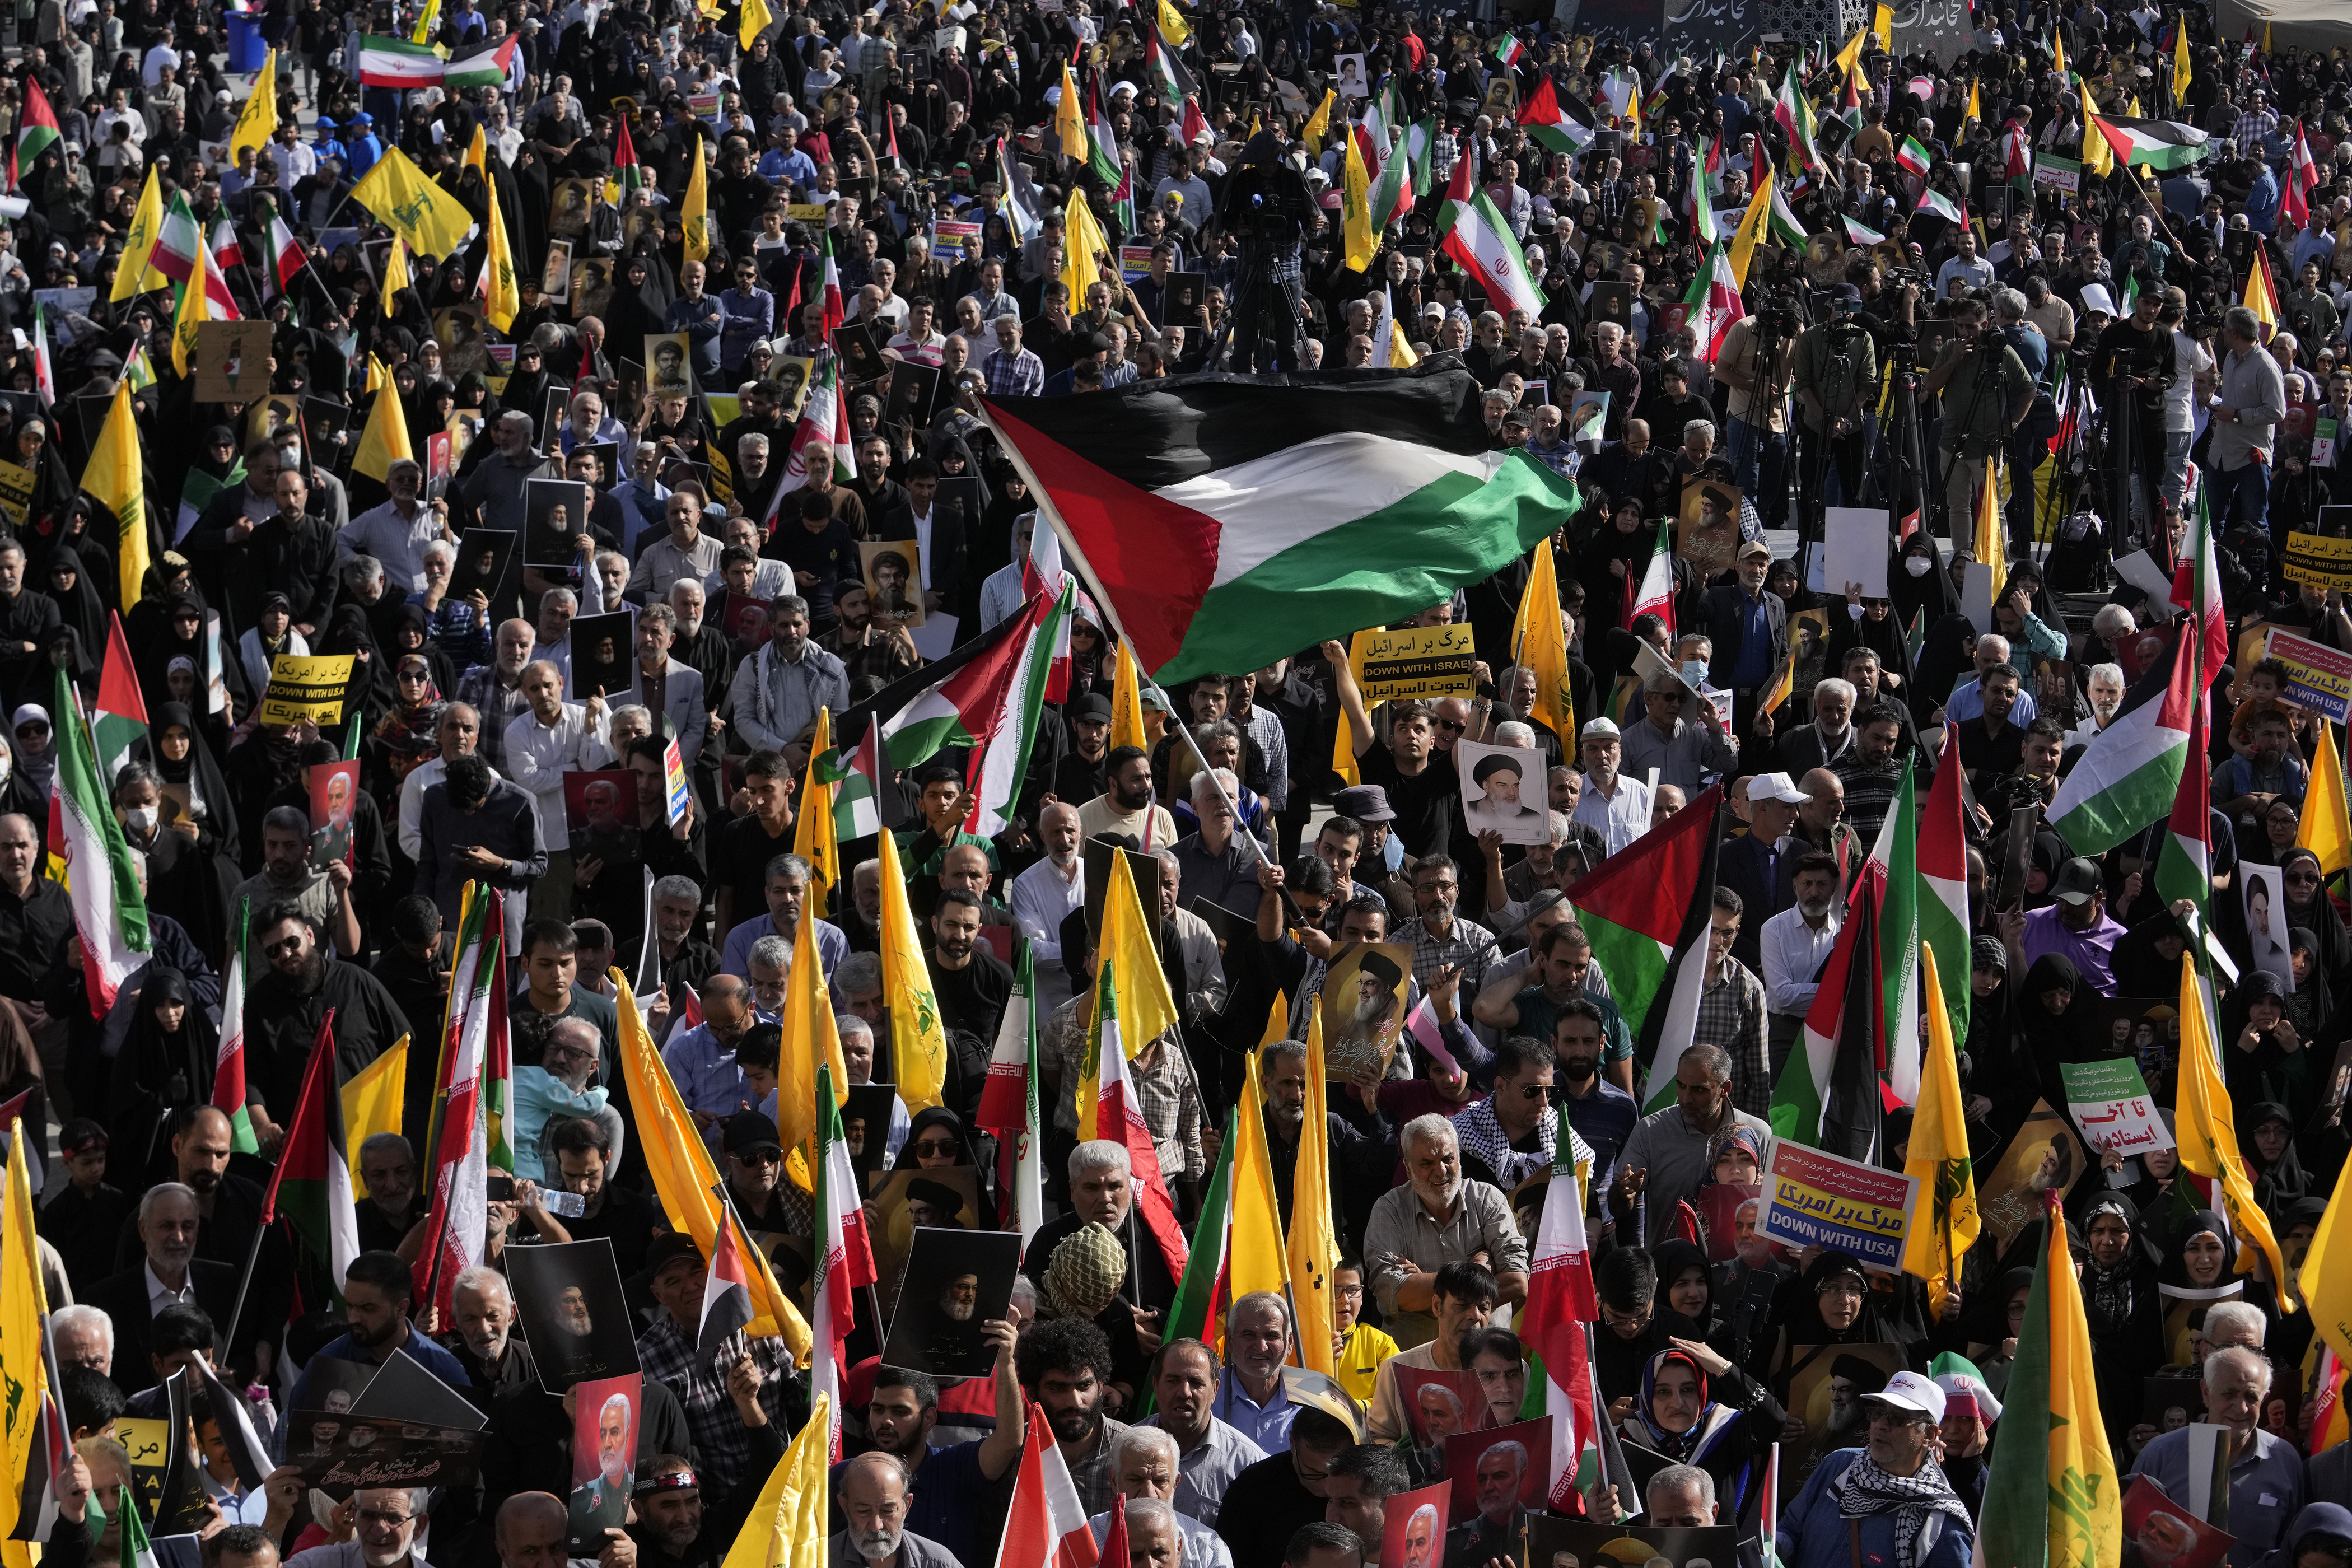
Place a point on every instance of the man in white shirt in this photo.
(1043, 895)
(1615, 807)
(396, 533)
(1795, 943)
(457, 734)
(542, 745)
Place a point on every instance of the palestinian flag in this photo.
(1634, 908)
(1228, 521)
(36, 131)
(1667, 1032)
(1943, 867)
(2131, 771)
(179, 243)
(1474, 234)
(1914, 158)
(396, 62)
(726, 1295)
(1861, 233)
(1102, 149)
(482, 65)
(229, 1056)
(313, 1179)
(1783, 223)
(845, 1260)
(1652, 593)
(628, 174)
(1508, 49)
(110, 912)
(1553, 123)
(2152, 143)
(854, 774)
(1932, 200)
(2184, 861)
(1176, 82)
(971, 706)
(1828, 1095)
(908, 721)
(196, 493)
(119, 721)
(1002, 762)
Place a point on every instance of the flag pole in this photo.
(245, 1281)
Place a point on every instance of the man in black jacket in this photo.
(25, 622)
(1748, 629)
(262, 537)
(169, 1273)
(283, 1011)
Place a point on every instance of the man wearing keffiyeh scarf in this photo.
(1888, 1502)
(1511, 1136)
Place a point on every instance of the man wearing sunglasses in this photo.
(297, 983)
(1511, 1134)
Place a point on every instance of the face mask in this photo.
(143, 818)
(1916, 565)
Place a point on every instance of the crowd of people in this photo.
(769, 266)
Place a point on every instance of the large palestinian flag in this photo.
(2131, 771)
(1634, 908)
(2152, 143)
(1230, 522)
(1828, 1095)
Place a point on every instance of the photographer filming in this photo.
(1987, 391)
(1834, 371)
(1266, 210)
(1754, 364)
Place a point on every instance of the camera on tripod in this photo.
(1777, 312)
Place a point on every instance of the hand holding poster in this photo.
(2168, 1533)
(2110, 1102)
(1812, 1198)
(307, 688)
(2317, 677)
(604, 1458)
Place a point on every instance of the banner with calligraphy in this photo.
(1419, 662)
(1812, 1198)
(2110, 1102)
(1697, 27)
(1942, 27)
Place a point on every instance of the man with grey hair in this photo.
(2253, 400)
(481, 1305)
(871, 1499)
(1251, 1397)
(1671, 1151)
(663, 686)
(1827, 740)
(1102, 1192)
(2103, 685)
(777, 690)
(393, 1204)
(1680, 1496)
(1219, 862)
(492, 495)
(1967, 701)
(2267, 1484)
(1045, 895)
(1438, 1218)
(168, 1274)
(1679, 735)
(384, 1523)
(83, 1336)
(1145, 1468)
(396, 531)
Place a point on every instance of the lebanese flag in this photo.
(286, 252)
(845, 1260)
(1046, 1525)
(726, 1295)
(1560, 1301)
(1652, 593)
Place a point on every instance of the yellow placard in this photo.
(2318, 558)
(807, 212)
(16, 491)
(310, 688)
(1423, 662)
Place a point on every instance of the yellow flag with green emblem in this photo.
(23, 1303)
(1257, 1258)
(257, 122)
(1314, 1244)
(408, 203)
(1946, 1224)
(134, 273)
(811, 1036)
(694, 217)
(918, 1040)
(787, 1526)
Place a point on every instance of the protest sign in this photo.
(955, 1281)
(2166, 1532)
(339, 1454)
(2062, 173)
(673, 781)
(16, 491)
(2315, 558)
(1134, 262)
(2317, 677)
(1812, 1198)
(2110, 1102)
(1422, 662)
(953, 240)
(305, 688)
(232, 361)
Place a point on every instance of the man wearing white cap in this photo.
(1886, 1503)
(1750, 864)
(1615, 807)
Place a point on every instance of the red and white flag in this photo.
(1560, 1301)
(1046, 1525)
(286, 252)
(2302, 176)
(1652, 593)
(843, 1261)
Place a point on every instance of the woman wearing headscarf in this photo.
(1830, 1303)
(2279, 1181)
(1696, 1408)
(2264, 1058)
(412, 632)
(1998, 1078)
(33, 741)
(65, 579)
(1876, 629)
(406, 738)
(163, 1064)
(1745, 1287)
(175, 747)
(1947, 658)
(2146, 960)
(2198, 1269)
(2058, 1020)
(369, 693)
(2119, 1302)
(935, 1141)
(2304, 899)
(1920, 588)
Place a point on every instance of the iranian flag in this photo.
(1204, 1292)
(1895, 859)
(854, 773)
(470, 1100)
(1560, 1301)
(1783, 222)
(726, 1294)
(1698, 205)
(1714, 304)
(1667, 1032)
(1552, 123)
(110, 912)
(1861, 233)
(1943, 862)
(1471, 231)
(1226, 520)
(1794, 115)
(1009, 1105)
(229, 1056)
(397, 63)
(1508, 49)
(2184, 862)
(313, 1179)
(482, 65)
(1119, 1115)
(1913, 158)
(2152, 143)
(844, 1259)
(1045, 1526)
(1002, 762)
(45, 375)
(36, 131)
(227, 250)
(1827, 1094)
(1633, 908)
(179, 243)
(1653, 592)
(824, 418)
(836, 312)
(2196, 588)
(2130, 773)
(286, 252)
(1935, 201)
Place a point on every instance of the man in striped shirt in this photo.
(1012, 370)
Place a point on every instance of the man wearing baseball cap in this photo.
(1887, 1502)
(1751, 864)
(1748, 631)
(2075, 927)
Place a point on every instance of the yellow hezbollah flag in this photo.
(22, 1304)
(116, 477)
(1083, 243)
(685, 1176)
(386, 439)
(2327, 1276)
(2326, 829)
(1070, 135)
(257, 120)
(1356, 209)
(135, 273)
(395, 274)
(694, 217)
(918, 1040)
(787, 1526)
(814, 839)
(809, 1037)
(2058, 50)
(1882, 27)
(371, 1105)
(753, 21)
(1173, 27)
(1975, 111)
(1946, 1225)
(194, 311)
(1988, 542)
(1255, 1259)
(2181, 72)
(1314, 1247)
(478, 156)
(502, 300)
(1127, 702)
(413, 206)
(1319, 123)
(425, 23)
(1751, 229)
(1848, 57)
(1540, 644)
(2208, 1138)
(1146, 1010)
(2098, 158)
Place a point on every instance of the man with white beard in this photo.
(872, 1502)
(1795, 942)
(952, 1336)
(1043, 897)
(2106, 694)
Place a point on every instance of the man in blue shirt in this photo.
(788, 879)
(1897, 1487)
(784, 161)
(750, 317)
(1251, 1397)
(701, 317)
(2266, 1477)
(378, 1294)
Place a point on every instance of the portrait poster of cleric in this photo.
(574, 1314)
(1503, 790)
(605, 1413)
(954, 1282)
(1363, 1006)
